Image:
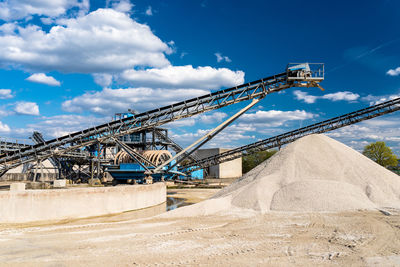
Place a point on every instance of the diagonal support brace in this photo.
(200, 142)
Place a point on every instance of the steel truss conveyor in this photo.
(11, 146)
(279, 140)
(296, 75)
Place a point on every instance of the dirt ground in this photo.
(186, 196)
(275, 239)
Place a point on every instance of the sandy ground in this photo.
(274, 239)
(191, 196)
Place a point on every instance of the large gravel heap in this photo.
(314, 173)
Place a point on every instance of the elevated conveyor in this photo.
(292, 77)
(37, 137)
(279, 140)
(6, 146)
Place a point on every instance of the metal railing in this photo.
(309, 71)
(7, 145)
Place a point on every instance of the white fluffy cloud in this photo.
(184, 77)
(26, 108)
(186, 122)
(177, 84)
(18, 9)
(108, 101)
(214, 117)
(5, 94)
(386, 128)
(205, 118)
(246, 129)
(149, 11)
(338, 96)
(374, 100)
(393, 72)
(221, 58)
(53, 126)
(345, 95)
(4, 128)
(122, 6)
(233, 136)
(112, 47)
(60, 125)
(103, 79)
(102, 41)
(274, 118)
(230, 137)
(300, 95)
(44, 79)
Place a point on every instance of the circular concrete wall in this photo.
(72, 203)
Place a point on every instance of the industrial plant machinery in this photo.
(136, 157)
(295, 75)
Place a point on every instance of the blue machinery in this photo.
(135, 173)
(296, 75)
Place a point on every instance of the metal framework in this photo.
(6, 146)
(279, 140)
(156, 117)
(193, 157)
(37, 137)
(204, 139)
(175, 146)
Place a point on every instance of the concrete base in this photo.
(72, 203)
(60, 183)
(17, 187)
(37, 185)
(95, 182)
(28, 177)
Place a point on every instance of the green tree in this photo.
(381, 154)
(253, 158)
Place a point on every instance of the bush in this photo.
(253, 158)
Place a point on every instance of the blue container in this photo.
(130, 166)
(199, 174)
(135, 171)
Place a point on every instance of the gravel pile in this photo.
(314, 173)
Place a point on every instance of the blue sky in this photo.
(67, 65)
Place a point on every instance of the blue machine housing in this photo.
(134, 171)
(197, 174)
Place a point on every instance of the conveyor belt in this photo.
(11, 146)
(279, 140)
(156, 117)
